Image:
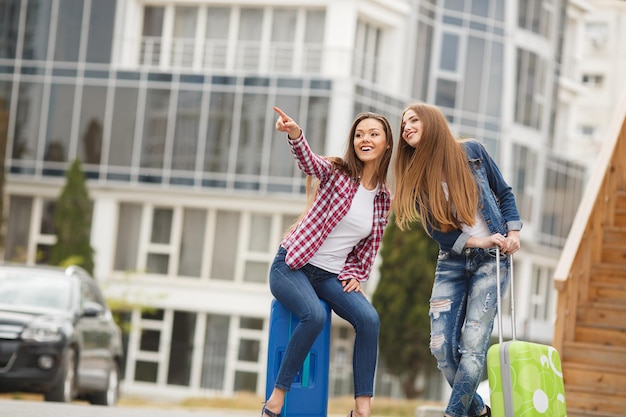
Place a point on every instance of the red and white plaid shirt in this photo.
(336, 190)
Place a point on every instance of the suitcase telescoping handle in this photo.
(499, 295)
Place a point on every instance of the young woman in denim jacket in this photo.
(331, 249)
(458, 194)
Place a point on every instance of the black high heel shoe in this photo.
(486, 413)
(265, 412)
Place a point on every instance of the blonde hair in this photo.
(419, 173)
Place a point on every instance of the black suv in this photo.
(57, 335)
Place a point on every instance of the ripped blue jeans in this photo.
(463, 307)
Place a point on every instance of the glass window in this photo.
(587, 130)
(314, 40)
(181, 348)
(69, 30)
(158, 258)
(47, 218)
(157, 263)
(450, 52)
(366, 51)
(541, 291)
(59, 123)
(192, 242)
(183, 41)
(480, 8)
(256, 271)
(18, 228)
(151, 43)
(535, 15)
(457, 5)
(249, 50)
(155, 128)
(101, 21)
(185, 147)
(157, 314)
(494, 92)
(530, 89)
(594, 80)
(248, 350)
(282, 47)
(446, 93)
(563, 188)
(27, 121)
(422, 64)
(5, 107)
(214, 352)
(150, 340)
(216, 43)
(9, 21)
(281, 161)
(251, 323)
(474, 70)
(123, 127)
(225, 242)
(161, 225)
(146, 371)
(219, 132)
(127, 242)
(288, 220)
(37, 31)
(91, 124)
(245, 381)
(250, 150)
(316, 124)
(260, 231)
(524, 163)
(218, 22)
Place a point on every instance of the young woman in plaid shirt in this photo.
(331, 249)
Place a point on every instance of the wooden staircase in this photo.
(590, 330)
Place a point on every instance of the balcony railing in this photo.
(222, 55)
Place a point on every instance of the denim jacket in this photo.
(496, 202)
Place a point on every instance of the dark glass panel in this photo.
(100, 40)
(69, 29)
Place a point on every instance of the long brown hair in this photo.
(350, 163)
(419, 173)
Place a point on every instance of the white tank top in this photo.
(355, 225)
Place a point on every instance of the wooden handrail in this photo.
(591, 194)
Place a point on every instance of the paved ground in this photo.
(27, 408)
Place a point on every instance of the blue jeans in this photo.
(300, 291)
(463, 306)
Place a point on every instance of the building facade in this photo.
(168, 105)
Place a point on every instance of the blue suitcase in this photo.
(308, 396)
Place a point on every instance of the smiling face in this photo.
(370, 140)
(412, 128)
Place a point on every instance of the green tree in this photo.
(402, 301)
(72, 222)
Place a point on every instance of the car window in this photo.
(45, 291)
(89, 293)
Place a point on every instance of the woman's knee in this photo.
(369, 321)
(317, 317)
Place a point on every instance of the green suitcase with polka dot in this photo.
(525, 380)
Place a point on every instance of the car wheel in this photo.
(110, 395)
(65, 390)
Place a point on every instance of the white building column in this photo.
(104, 235)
